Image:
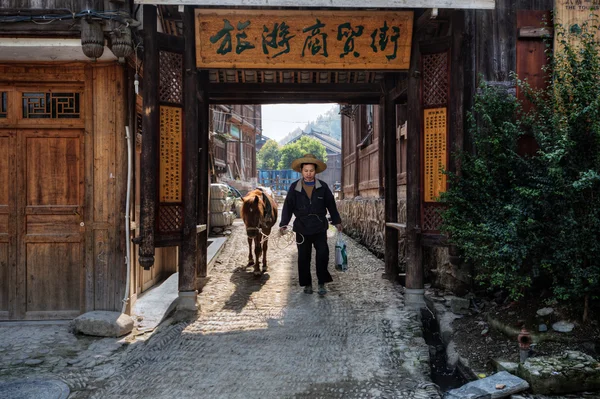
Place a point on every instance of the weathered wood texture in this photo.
(8, 256)
(67, 196)
(109, 187)
(203, 173)
(414, 265)
(496, 41)
(363, 166)
(496, 37)
(364, 220)
(391, 192)
(477, 4)
(189, 245)
(150, 126)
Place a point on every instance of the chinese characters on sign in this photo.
(170, 154)
(435, 153)
(303, 39)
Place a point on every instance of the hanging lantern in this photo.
(120, 39)
(92, 39)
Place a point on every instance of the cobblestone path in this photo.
(264, 338)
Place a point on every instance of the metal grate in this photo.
(41, 105)
(432, 220)
(3, 104)
(170, 218)
(435, 79)
(171, 77)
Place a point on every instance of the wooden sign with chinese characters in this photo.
(303, 39)
(435, 155)
(170, 154)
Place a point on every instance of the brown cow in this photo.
(259, 213)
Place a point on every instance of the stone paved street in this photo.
(264, 338)
(260, 338)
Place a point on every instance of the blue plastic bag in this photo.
(341, 257)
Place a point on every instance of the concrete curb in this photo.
(444, 319)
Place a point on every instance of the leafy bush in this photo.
(528, 219)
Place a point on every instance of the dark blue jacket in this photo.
(311, 213)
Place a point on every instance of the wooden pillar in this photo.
(203, 171)
(459, 53)
(357, 135)
(189, 244)
(391, 185)
(380, 144)
(414, 294)
(150, 126)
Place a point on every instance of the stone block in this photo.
(505, 365)
(459, 305)
(102, 323)
(499, 385)
(572, 371)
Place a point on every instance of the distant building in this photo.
(261, 140)
(235, 129)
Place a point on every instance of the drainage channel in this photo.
(446, 378)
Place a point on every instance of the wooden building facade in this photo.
(63, 174)
(452, 51)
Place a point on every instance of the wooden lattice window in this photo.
(170, 218)
(3, 104)
(432, 219)
(435, 79)
(171, 77)
(46, 105)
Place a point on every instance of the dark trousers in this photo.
(319, 241)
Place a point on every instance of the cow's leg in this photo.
(257, 252)
(250, 258)
(265, 246)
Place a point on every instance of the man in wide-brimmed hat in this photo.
(309, 199)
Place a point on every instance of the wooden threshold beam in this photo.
(297, 88)
(294, 98)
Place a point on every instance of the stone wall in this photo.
(364, 221)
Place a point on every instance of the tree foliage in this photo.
(297, 149)
(521, 219)
(268, 156)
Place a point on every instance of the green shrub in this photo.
(528, 219)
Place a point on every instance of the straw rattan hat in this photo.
(320, 166)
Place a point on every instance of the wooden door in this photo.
(7, 223)
(50, 261)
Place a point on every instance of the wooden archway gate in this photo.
(198, 94)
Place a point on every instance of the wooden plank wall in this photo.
(369, 157)
(348, 156)
(107, 194)
(496, 37)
